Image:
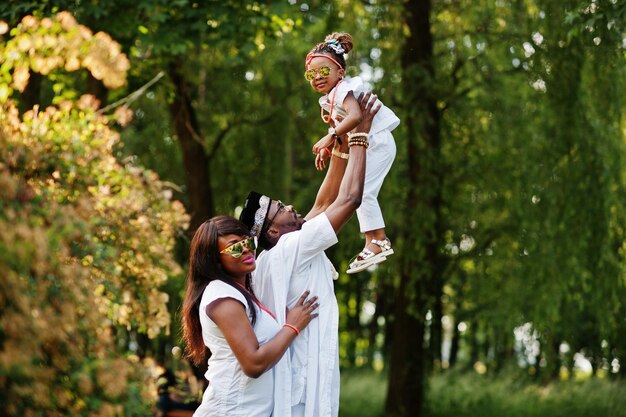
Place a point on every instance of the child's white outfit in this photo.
(380, 154)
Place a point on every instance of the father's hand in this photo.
(368, 111)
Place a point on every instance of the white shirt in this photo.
(385, 119)
(298, 263)
(230, 392)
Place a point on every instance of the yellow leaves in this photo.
(88, 102)
(86, 241)
(28, 22)
(106, 62)
(20, 77)
(123, 115)
(72, 63)
(23, 43)
(67, 20)
(5, 92)
(55, 43)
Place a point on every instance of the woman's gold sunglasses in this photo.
(322, 71)
(236, 249)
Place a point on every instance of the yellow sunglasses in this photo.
(323, 71)
(236, 249)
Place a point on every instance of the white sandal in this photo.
(369, 258)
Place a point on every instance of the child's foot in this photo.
(374, 253)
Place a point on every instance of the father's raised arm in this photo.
(351, 187)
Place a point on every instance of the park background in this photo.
(124, 124)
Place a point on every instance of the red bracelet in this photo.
(292, 327)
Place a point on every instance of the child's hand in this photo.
(320, 159)
(325, 142)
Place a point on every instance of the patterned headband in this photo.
(260, 215)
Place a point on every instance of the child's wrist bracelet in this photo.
(340, 154)
(292, 327)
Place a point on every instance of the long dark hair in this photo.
(204, 267)
(344, 39)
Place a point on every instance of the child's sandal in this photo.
(367, 258)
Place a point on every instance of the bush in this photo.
(85, 240)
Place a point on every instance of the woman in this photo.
(221, 313)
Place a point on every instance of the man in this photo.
(294, 261)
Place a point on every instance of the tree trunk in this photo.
(454, 344)
(195, 160)
(420, 272)
(406, 368)
(436, 327)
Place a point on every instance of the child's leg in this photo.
(380, 157)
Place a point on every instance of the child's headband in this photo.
(310, 56)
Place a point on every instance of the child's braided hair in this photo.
(336, 45)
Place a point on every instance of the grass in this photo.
(472, 395)
(363, 394)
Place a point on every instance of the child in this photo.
(325, 70)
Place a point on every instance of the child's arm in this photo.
(351, 121)
(353, 118)
(325, 142)
(321, 157)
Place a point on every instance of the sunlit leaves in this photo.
(86, 241)
(60, 43)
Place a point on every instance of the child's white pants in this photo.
(380, 156)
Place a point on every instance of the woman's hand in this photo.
(302, 313)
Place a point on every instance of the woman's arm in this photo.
(230, 317)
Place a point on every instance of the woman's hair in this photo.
(329, 48)
(204, 267)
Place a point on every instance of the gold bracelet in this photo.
(340, 154)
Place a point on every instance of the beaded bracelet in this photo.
(292, 327)
(359, 142)
(358, 139)
(358, 135)
(340, 154)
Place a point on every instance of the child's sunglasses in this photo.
(236, 249)
(322, 71)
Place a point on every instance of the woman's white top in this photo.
(230, 392)
(385, 119)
